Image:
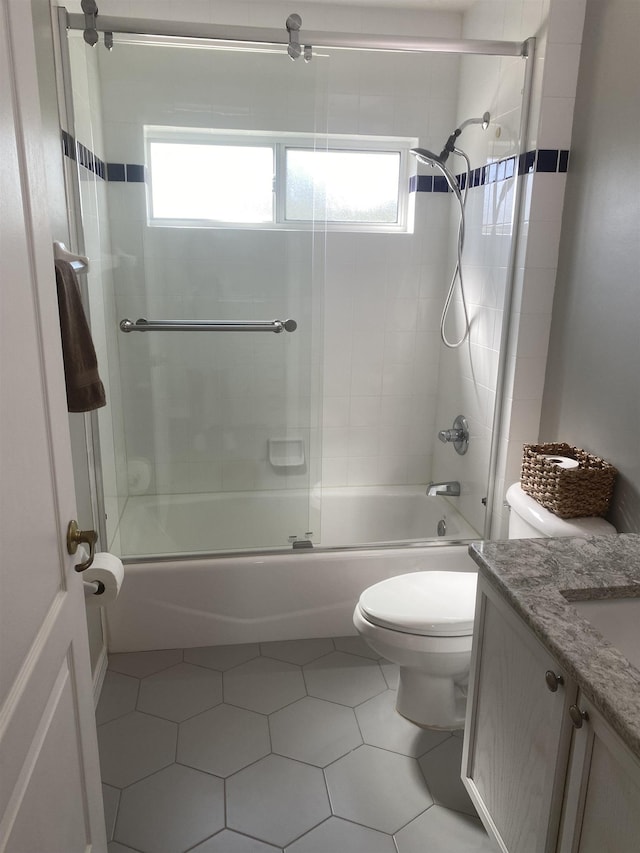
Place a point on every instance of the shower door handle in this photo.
(143, 325)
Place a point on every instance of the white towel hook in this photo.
(80, 263)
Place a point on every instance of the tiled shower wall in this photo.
(468, 376)
(382, 294)
(557, 25)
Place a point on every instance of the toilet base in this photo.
(431, 702)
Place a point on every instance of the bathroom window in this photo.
(233, 179)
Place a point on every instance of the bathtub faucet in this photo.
(449, 490)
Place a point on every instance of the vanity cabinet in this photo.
(601, 810)
(518, 730)
(544, 770)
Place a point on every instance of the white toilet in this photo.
(424, 621)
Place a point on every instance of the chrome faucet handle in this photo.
(446, 435)
(458, 435)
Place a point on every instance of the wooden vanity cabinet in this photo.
(544, 770)
(518, 730)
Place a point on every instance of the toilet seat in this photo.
(435, 604)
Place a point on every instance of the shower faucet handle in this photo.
(458, 435)
(446, 435)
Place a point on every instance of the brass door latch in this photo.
(75, 536)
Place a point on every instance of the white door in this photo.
(49, 775)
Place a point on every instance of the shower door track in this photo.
(296, 552)
(265, 35)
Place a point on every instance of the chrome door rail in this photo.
(266, 35)
(143, 325)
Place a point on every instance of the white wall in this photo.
(592, 387)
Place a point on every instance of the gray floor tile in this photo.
(141, 664)
(171, 810)
(180, 692)
(276, 800)
(223, 740)
(441, 768)
(344, 678)
(339, 835)
(263, 685)
(231, 842)
(314, 731)
(134, 746)
(391, 672)
(297, 651)
(280, 798)
(222, 658)
(110, 800)
(381, 725)
(440, 830)
(355, 646)
(379, 789)
(117, 697)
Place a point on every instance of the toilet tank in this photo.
(529, 520)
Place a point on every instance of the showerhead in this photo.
(428, 158)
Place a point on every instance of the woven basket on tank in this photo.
(567, 492)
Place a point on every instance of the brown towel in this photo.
(85, 391)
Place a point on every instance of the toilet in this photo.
(423, 621)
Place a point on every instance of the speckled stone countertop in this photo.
(538, 576)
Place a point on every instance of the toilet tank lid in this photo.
(549, 524)
(434, 604)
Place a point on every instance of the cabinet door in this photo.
(602, 800)
(518, 731)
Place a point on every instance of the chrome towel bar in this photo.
(143, 325)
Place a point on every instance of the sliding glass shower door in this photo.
(214, 363)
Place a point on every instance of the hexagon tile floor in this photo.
(292, 746)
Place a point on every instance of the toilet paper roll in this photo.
(560, 461)
(108, 570)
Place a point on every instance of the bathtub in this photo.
(330, 518)
(187, 601)
(250, 599)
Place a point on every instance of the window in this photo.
(261, 180)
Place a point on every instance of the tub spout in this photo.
(449, 490)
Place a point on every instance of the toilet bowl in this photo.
(424, 621)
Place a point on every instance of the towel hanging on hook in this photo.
(80, 263)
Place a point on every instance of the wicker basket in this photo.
(567, 492)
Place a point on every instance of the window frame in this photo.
(280, 142)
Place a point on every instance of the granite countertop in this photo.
(537, 576)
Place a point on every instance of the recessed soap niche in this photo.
(286, 452)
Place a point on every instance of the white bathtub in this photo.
(221, 600)
(230, 521)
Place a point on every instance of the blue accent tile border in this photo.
(551, 160)
(126, 172)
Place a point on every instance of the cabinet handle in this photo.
(553, 680)
(577, 716)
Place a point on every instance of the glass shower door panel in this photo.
(218, 425)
